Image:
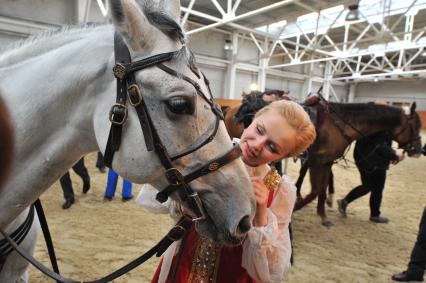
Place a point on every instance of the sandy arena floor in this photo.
(95, 237)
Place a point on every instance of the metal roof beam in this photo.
(227, 18)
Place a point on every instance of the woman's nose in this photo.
(259, 144)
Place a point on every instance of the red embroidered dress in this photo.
(263, 257)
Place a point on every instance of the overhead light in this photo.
(353, 14)
(376, 80)
(424, 54)
(253, 87)
(228, 45)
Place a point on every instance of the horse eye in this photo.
(179, 105)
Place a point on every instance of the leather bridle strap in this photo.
(118, 113)
(175, 234)
(47, 237)
(180, 181)
(407, 125)
(124, 72)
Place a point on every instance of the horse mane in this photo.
(36, 44)
(6, 144)
(250, 104)
(361, 112)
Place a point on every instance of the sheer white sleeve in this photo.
(146, 199)
(267, 250)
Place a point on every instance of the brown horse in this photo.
(338, 125)
(239, 116)
(343, 123)
(234, 128)
(6, 143)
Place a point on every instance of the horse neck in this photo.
(367, 119)
(54, 112)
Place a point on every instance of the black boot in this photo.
(406, 277)
(342, 204)
(379, 219)
(68, 202)
(86, 185)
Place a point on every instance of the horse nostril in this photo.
(244, 225)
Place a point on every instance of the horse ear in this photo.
(131, 22)
(172, 8)
(413, 107)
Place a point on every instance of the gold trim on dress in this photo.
(206, 259)
(205, 262)
(272, 179)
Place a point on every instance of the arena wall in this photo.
(396, 93)
(211, 56)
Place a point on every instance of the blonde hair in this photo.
(298, 119)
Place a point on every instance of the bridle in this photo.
(127, 88)
(408, 146)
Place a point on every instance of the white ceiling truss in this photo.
(370, 48)
(388, 42)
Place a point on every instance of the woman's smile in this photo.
(248, 152)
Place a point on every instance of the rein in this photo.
(176, 233)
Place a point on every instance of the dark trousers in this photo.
(65, 180)
(374, 182)
(100, 161)
(417, 264)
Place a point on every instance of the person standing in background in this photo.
(66, 183)
(100, 162)
(372, 155)
(416, 267)
(126, 191)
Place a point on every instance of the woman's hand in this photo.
(261, 193)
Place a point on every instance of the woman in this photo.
(281, 129)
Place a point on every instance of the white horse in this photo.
(59, 89)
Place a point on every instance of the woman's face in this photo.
(268, 138)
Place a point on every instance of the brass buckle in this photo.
(200, 212)
(139, 95)
(213, 166)
(113, 115)
(119, 71)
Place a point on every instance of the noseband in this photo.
(127, 88)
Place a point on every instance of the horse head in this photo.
(184, 116)
(408, 133)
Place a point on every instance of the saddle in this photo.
(316, 108)
(314, 105)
